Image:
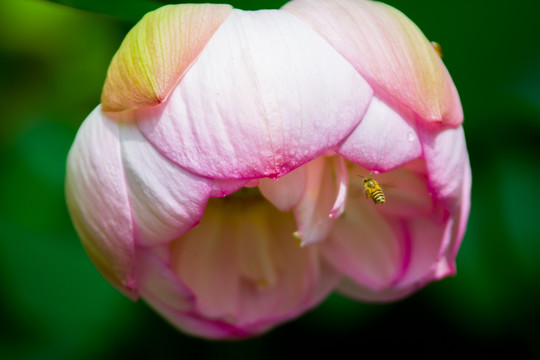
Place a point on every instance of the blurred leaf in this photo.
(128, 10)
(43, 150)
(520, 198)
(54, 293)
(133, 10)
(525, 82)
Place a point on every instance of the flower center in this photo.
(243, 248)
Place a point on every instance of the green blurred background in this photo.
(55, 305)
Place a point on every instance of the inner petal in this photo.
(322, 200)
(398, 243)
(242, 263)
(365, 245)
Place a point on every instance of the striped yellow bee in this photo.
(373, 190)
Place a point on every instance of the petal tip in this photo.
(156, 53)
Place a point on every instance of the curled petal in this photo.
(272, 93)
(389, 51)
(342, 180)
(166, 200)
(97, 199)
(384, 140)
(313, 211)
(156, 53)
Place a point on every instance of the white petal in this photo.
(166, 200)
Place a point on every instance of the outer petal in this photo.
(97, 200)
(384, 140)
(156, 53)
(166, 200)
(389, 51)
(447, 164)
(450, 180)
(266, 95)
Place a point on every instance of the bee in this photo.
(373, 190)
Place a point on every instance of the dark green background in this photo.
(55, 305)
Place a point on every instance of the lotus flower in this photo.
(221, 179)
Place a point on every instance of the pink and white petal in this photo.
(312, 212)
(284, 193)
(97, 199)
(166, 200)
(243, 269)
(463, 215)
(329, 279)
(259, 101)
(367, 246)
(389, 51)
(447, 162)
(291, 279)
(200, 258)
(428, 240)
(455, 229)
(446, 155)
(384, 140)
(156, 53)
(419, 274)
(158, 284)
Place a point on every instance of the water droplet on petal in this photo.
(411, 137)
